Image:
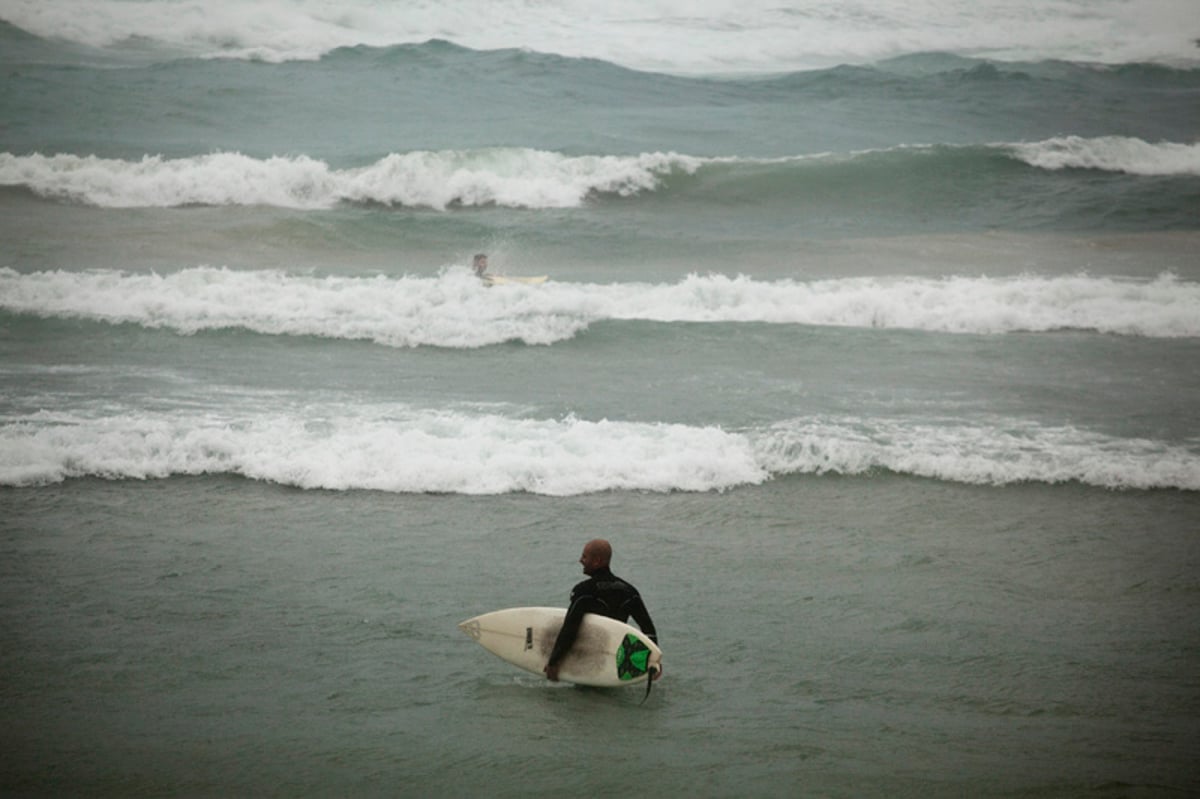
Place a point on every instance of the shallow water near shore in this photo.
(840, 637)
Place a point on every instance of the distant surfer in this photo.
(602, 593)
(480, 265)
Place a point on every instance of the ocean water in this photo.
(870, 338)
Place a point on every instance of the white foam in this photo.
(513, 177)
(395, 448)
(387, 449)
(1003, 452)
(1111, 154)
(1164, 307)
(669, 35)
(454, 310)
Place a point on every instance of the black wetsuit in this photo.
(605, 594)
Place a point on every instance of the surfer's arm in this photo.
(637, 609)
(568, 633)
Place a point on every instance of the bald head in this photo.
(597, 554)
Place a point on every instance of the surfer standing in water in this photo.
(602, 593)
(480, 265)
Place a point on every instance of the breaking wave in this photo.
(453, 310)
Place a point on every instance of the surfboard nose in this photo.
(470, 627)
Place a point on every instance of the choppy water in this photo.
(871, 339)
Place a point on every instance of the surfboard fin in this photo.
(649, 684)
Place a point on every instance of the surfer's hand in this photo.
(551, 672)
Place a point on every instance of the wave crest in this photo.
(454, 310)
(392, 449)
(1111, 154)
(709, 36)
(511, 177)
(538, 179)
(1006, 452)
(412, 451)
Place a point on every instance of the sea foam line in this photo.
(1003, 452)
(453, 310)
(1111, 154)
(510, 177)
(703, 36)
(412, 451)
(398, 451)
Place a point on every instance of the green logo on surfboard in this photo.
(632, 658)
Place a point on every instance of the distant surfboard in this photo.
(502, 280)
(607, 653)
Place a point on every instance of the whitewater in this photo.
(509, 177)
(455, 310)
(398, 448)
(711, 36)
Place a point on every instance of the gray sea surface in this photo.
(823, 636)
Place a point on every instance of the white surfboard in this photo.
(501, 280)
(607, 652)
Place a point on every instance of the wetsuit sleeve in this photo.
(637, 609)
(570, 629)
